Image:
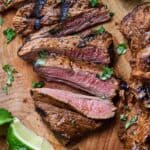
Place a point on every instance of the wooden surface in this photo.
(20, 104)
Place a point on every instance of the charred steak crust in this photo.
(68, 126)
(95, 48)
(52, 12)
(136, 26)
(77, 74)
(89, 106)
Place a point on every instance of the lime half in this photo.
(21, 138)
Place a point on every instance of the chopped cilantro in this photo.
(131, 122)
(121, 49)
(94, 3)
(100, 30)
(43, 54)
(38, 84)
(10, 34)
(8, 2)
(106, 74)
(10, 77)
(123, 117)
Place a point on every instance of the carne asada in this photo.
(77, 74)
(89, 106)
(136, 131)
(71, 16)
(92, 47)
(136, 27)
(68, 126)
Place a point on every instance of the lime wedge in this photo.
(21, 138)
(5, 117)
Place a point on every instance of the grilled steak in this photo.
(77, 74)
(5, 4)
(141, 69)
(69, 15)
(136, 27)
(135, 131)
(89, 106)
(92, 47)
(68, 126)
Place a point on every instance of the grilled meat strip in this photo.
(136, 27)
(137, 135)
(92, 47)
(77, 74)
(79, 16)
(68, 126)
(89, 106)
(5, 4)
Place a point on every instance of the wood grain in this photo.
(20, 104)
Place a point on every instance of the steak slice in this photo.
(77, 74)
(136, 26)
(92, 47)
(68, 126)
(137, 136)
(89, 106)
(51, 13)
(141, 69)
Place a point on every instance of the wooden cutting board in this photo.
(21, 105)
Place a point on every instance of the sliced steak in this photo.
(77, 74)
(136, 136)
(89, 106)
(92, 47)
(136, 26)
(52, 12)
(29, 18)
(68, 126)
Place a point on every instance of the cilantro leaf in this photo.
(10, 77)
(106, 74)
(8, 2)
(131, 122)
(121, 49)
(94, 3)
(43, 54)
(100, 30)
(10, 34)
(123, 117)
(38, 84)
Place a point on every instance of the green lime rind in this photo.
(5, 117)
(21, 138)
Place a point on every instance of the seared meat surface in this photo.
(5, 4)
(89, 106)
(137, 136)
(136, 27)
(91, 47)
(77, 74)
(141, 69)
(71, 16)
(68, 126)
